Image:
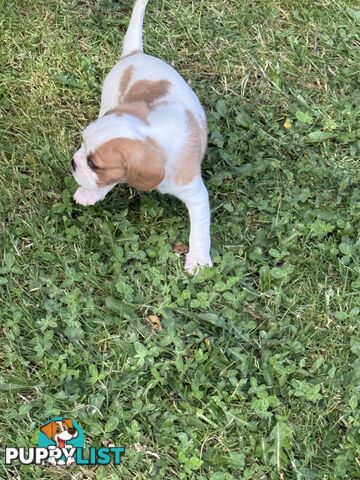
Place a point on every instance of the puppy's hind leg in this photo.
(133, 39)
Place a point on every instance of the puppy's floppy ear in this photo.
(48, 429)
(68, 422)
(140, 163)
(144, 165)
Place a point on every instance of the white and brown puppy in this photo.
(152, 134)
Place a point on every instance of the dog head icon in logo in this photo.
(61, 432)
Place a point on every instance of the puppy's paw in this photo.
(194, 263)
(85, 196)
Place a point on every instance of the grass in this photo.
(255, 373)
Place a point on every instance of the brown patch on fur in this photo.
(136, 109)
(138, 163)
(125, 80)
(135, 52)
(147, 91)
(193, 150)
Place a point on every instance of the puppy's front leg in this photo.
(90, 196)
(196, 199)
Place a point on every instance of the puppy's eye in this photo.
(91, 163)
(58, 429)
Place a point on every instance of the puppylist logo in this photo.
(61, 441)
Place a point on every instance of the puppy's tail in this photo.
(133, 38)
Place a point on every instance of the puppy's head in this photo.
(115, 151)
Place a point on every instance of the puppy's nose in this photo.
(73, 165)
(72, 431)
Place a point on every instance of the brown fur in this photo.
(136, 109)
(147, 91)
(135, 52)
(193, 151)
(138, 163)
(141, 91)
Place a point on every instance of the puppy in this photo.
(151, 133)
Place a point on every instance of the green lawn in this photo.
(256, 372)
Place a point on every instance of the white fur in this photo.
(90, 196)
(196, 199)
(146, 67)
(166, 125)
(133, 38)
